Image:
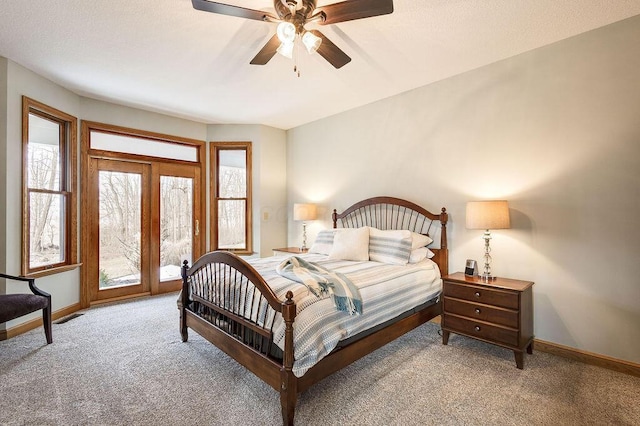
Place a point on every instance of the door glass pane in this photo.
(120, 221)
(232, 173)
(231, 224)
(176, 213)
(46, 229)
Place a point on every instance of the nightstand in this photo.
(288, 251)
(499, 311)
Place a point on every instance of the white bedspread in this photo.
(387, 291)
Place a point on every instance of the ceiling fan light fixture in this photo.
(286, 32)
(293, 15)
(311, 41)
(286, 49)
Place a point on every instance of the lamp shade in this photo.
(305, 212)
(488, 215)
(311, 42)
(286, 32)
(286, 49)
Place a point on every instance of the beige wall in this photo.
(554, 131)
(105, 112)
(4, 64)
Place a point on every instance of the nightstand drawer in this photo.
(481, 312)
(481, 330)
(505, 299)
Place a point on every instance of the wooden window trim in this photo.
(214, 147)
(68, 186)
(88, 126)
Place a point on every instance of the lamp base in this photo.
(304, 237)
(487, 277)
(486, 274)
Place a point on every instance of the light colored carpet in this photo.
(124, 363)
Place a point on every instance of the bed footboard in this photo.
(226, 301)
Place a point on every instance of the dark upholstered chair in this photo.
(13, 306)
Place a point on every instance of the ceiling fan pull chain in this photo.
(295, 58)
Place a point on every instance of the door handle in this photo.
(197, 227)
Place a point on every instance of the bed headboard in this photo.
(395, 213)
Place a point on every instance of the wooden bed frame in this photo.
(218, 288)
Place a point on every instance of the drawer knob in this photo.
(477, 310)
(477, 294)
(477, 328)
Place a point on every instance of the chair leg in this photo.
(46, 322)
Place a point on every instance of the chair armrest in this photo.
(32, 284)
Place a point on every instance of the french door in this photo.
(142, 224)
(175, 231)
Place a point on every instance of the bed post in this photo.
(444, 217)
(334, 216)
(288, 386)
(183, 302)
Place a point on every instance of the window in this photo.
(231, 196)
(49, 240)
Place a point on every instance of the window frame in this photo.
(214, 149)
(68, 146)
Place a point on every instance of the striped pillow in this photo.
(323, 242)
(391, 246)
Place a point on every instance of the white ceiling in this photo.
(165, 56)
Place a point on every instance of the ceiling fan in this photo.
(293, 15)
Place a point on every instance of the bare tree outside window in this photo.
(176, 212)
(44, 212)
(120, 221)
(231, 212)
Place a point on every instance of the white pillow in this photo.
(351, 244)
(390, 246)
(323, 242)
(420, 254)
(419, 240)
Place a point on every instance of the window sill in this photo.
(53, 271)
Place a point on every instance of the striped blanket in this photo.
(320, 281)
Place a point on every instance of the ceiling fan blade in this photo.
(354, 9)
(332, 53)
(266, 53)
(227, 9)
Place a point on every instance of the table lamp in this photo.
(488, 215)
(304, 212)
